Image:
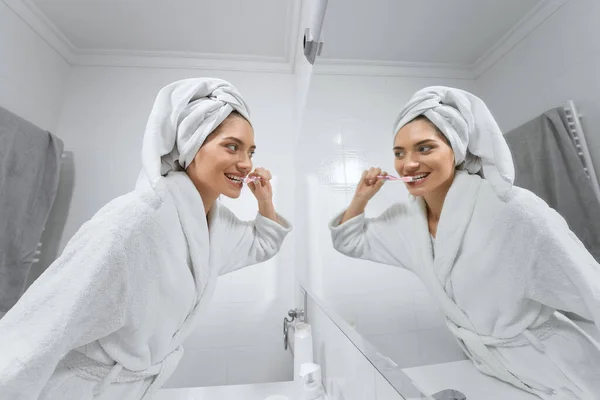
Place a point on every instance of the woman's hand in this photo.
(369, 184)
(261, 188)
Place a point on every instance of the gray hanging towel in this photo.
(547, 164)
(29, 173)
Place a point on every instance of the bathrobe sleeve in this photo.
(249, 242)
(81, 297)
(379, 239)
(564, 275)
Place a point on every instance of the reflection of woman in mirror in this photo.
(108, 317)
(497, 259)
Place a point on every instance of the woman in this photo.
(108, 318)
(496, 258)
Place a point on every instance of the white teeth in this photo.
(234, 178)
(419, 177)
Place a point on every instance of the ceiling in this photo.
(225, 28)
(230, 34)
(427, 31)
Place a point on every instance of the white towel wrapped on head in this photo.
(184, 114)
(474, 135)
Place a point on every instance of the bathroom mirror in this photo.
(522, 58)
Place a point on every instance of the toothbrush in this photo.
(249, 179)
(394, 178)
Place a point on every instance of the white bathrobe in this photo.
(501, 269)
(108, 318)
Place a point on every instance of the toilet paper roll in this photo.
(303, 347)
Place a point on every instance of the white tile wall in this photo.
(239, 341)
(210, 364)
(347, 374)
(268, 362)
(403, 348)
(438, 346)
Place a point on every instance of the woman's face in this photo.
(224, 159)
(421, 150)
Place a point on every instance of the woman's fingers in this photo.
(263, 173)
(372, 174)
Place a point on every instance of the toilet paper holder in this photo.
(294, 314)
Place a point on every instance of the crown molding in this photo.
(327, 66)
(33, 17)
(36, 19)
(161, 59)
(540, 13)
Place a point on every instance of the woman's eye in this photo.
(398, 154)
(232, 147)
(425, 149)
(251, 154)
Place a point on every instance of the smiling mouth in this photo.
(238, 180)
(417, 178)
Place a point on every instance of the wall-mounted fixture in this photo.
(313, 43)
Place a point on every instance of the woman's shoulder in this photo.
(132, 214)
(519, 205)
(526, 206)
(123, 224)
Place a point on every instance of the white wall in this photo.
(103, 122)
(559, 61)
(347, 127)
(33, 76)
(347, 373)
